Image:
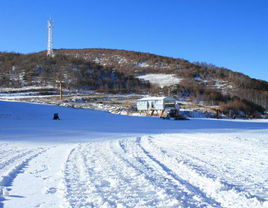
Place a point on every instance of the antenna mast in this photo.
(49, 41)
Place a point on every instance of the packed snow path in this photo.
(80, 162)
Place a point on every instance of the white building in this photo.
(156, 103)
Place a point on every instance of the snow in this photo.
(97, 159)
(220, 84)
(22, 95)
(143, 64)
(28, 88)
(161, 79)
(199, 79)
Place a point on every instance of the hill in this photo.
(37, 69)
(195, 75)
(128, 71)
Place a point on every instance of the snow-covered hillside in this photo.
(161, 80)
(97, 159)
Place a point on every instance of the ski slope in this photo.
(96, 159)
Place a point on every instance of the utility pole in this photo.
(169, 91)
(60, 88)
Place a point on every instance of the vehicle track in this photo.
(15, 164)
(104, 180)
(163, 177)
(228, 195)
(136, 172)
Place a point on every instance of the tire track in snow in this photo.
(194, 189)
(208, 170)
(98, 177)
(118, 182)
(77, 182)
(5, 151)
(11, 159)
(92, 178)
(15, 166)
(40, 184)
(162, 176)
(137, 173)
(234, 161)
(200, 166)
(217, 190)
(148, 192)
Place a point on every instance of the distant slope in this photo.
(197, 75)
(128, 61)
(37, 69)
(117, 70)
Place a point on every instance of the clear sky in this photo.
(227, 33)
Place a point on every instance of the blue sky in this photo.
(227, 33)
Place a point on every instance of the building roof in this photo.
(156, 98)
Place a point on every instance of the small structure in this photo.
(56, 116)
(158, 105)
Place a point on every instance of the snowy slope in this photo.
(96, 159)
(161, 79)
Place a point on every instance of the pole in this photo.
(60, 90)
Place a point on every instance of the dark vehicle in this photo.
(172, 114)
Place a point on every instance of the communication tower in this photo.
(49, 41)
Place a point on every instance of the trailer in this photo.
(160, 106)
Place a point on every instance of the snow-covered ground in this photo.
(97, 159)
(161, 80)
(28, 88)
